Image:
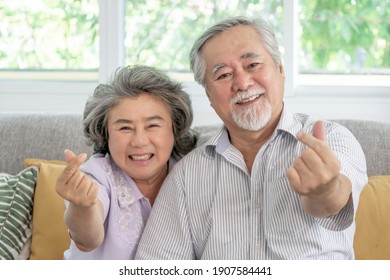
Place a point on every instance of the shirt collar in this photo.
(288, 123)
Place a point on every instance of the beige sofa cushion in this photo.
(372, 237)
(49, 234)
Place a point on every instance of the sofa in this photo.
(31, 212)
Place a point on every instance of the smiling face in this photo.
(243, 83)
(141, 138)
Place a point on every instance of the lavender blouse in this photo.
(126, 211)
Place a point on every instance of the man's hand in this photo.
(74, 185)
(315, 175)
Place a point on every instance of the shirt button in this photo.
(258, 205)
(257, 247)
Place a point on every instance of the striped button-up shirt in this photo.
(211, 207)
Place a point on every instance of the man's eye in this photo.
(223, 76)
(254, 65)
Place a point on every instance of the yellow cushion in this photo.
(49, 234)
(372, 237)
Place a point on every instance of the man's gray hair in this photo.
(265, 31)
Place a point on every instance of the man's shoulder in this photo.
(198, 157)
(308, 121)
(197, 153)
(206, 146)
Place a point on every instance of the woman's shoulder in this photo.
(98, 165)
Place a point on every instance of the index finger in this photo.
(72, 167)
(318, 145)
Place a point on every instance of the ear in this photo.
(208, 94)
(281, 70)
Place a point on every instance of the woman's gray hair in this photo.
(131, 82)
(267, 36)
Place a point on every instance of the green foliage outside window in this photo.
(339, 36)
(345, 35)
(49, 34)
(163, 33)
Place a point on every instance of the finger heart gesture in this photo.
(316, 169)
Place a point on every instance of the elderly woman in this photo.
(139, 126)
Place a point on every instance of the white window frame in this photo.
(373, 99)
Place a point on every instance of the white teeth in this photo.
(251, 98)
(143, 157)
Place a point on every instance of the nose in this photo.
(242, 80)
(139, 138)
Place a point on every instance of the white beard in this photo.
(254, 117)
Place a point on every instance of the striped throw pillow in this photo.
(16, 204)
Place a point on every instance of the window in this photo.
(344, 37)
(344, 43)
(59, 35)
(163, 33)
(333, 39)
(49, 39)
(65, 47)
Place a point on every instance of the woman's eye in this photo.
(125, 128)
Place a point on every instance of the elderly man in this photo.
(270, 184)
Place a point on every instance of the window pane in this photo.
(49, 34)
(161, 33)
(345, 36)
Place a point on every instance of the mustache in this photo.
(242, 95)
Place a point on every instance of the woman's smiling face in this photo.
(141, 137)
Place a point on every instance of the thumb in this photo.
(319, 130)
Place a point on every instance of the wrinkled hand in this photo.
(315, 172)
(74, 185)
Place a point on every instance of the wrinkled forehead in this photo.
(239, 36)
